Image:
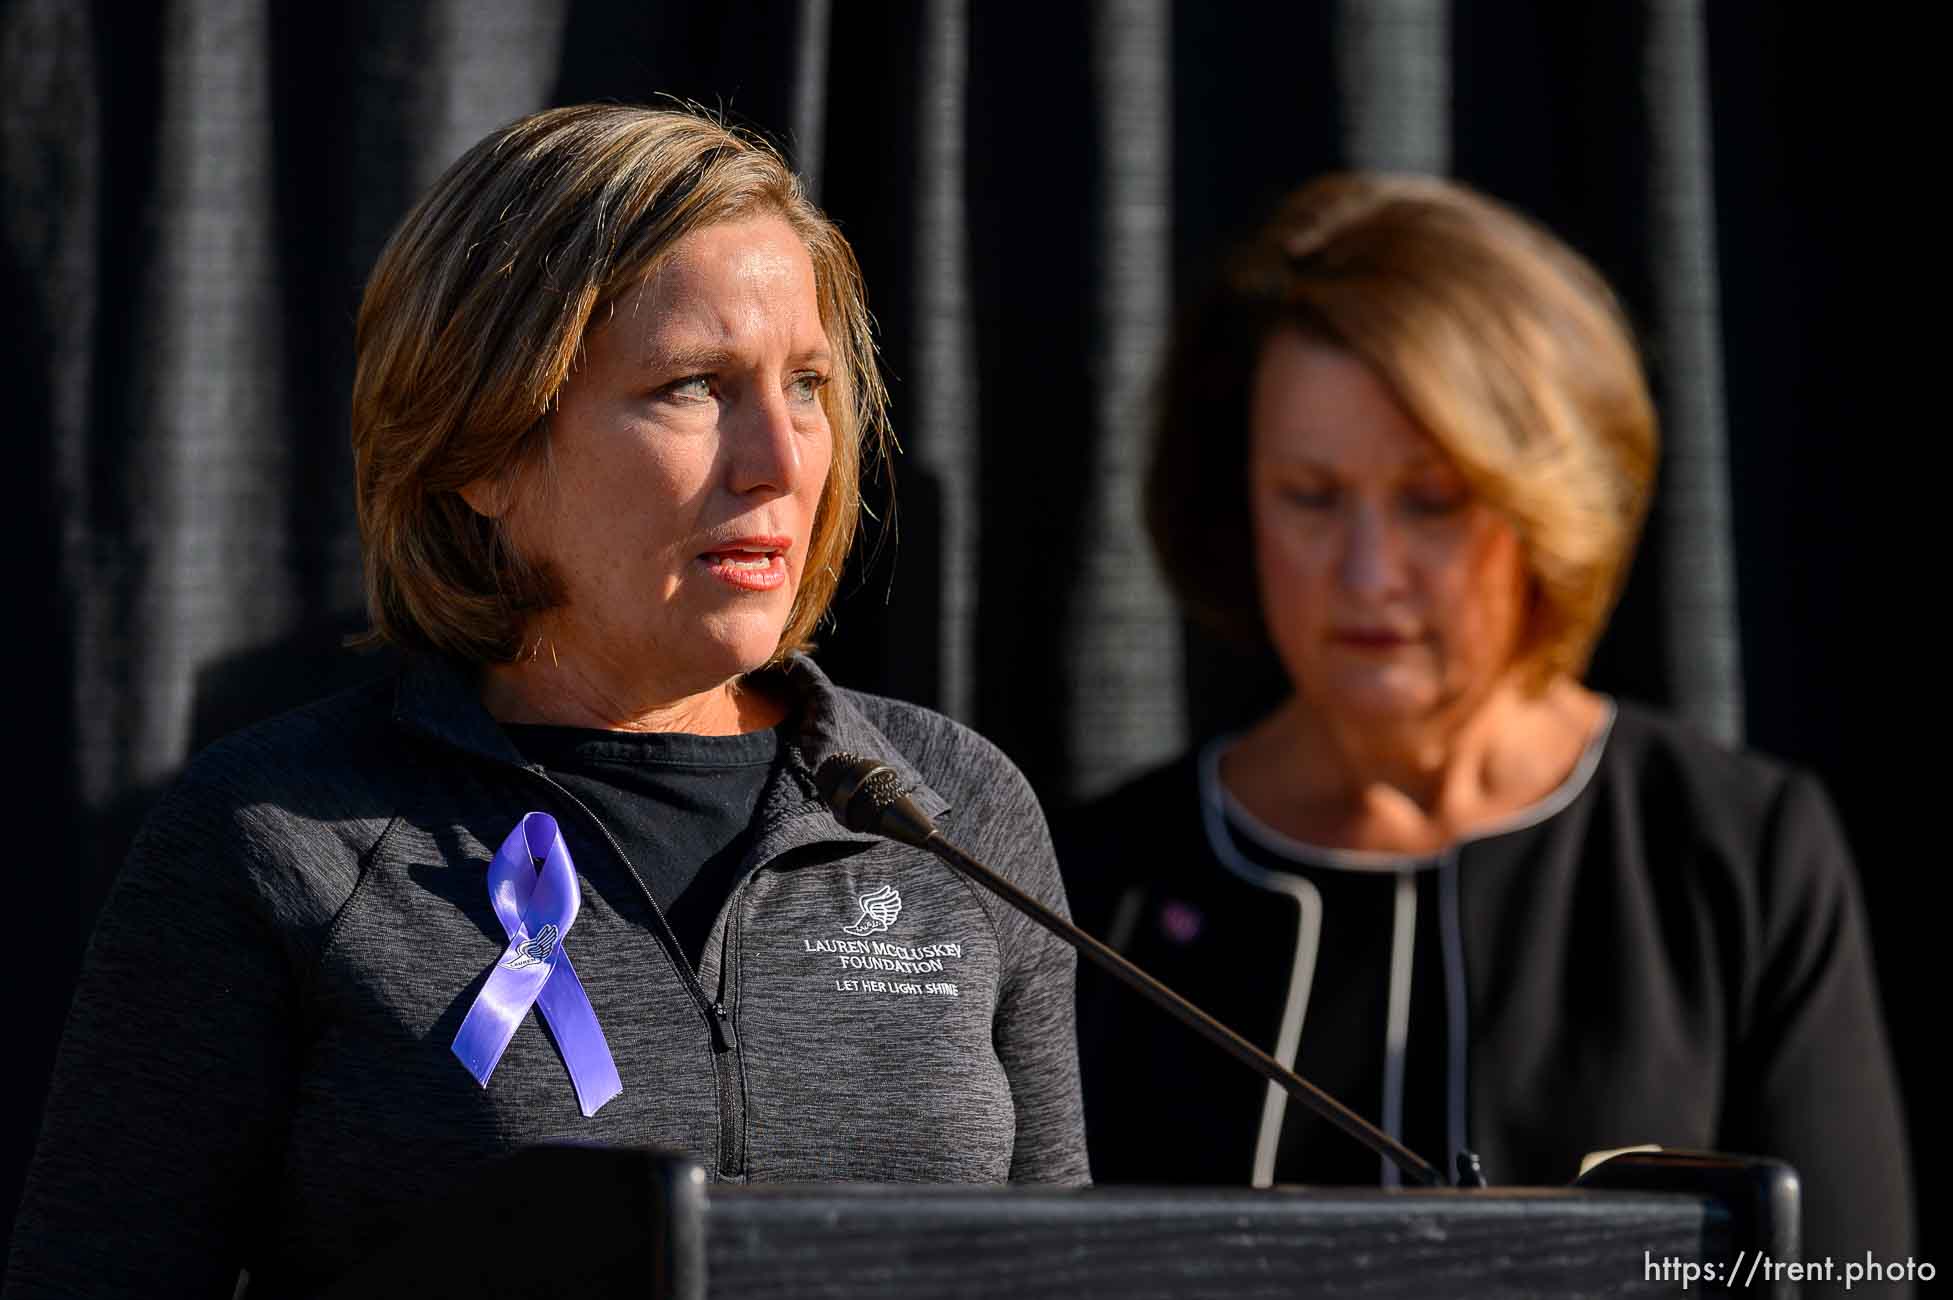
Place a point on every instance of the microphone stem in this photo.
(1190, 1015)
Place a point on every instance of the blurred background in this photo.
(192, 192)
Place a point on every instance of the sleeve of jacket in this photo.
(1036, 1035)
(165, 1113)
(1812, 1078)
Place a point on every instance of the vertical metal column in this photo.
(1123, 646)
(943, 433)
(1697, 546)
(1394, 64)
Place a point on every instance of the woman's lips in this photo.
(750, 564)
(1365, 638)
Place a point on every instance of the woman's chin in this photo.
(738, 643)
(1378, 699)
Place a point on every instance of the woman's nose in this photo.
(1372, 562)
(766, 452)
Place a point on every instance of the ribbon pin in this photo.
(532, 886)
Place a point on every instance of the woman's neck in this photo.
(1415, 786)
(566, 692)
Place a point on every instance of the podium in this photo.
(646, 1223)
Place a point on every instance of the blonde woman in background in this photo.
(1407, 444)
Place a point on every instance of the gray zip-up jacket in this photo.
(257, 1070)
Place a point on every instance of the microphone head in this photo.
(857, 789)
(867, 796)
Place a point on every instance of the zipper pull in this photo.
(721, 1029)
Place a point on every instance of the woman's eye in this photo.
(1435, 503)
(1314, 498)
(692, 388)
(806, 387)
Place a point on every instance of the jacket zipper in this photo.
(732, 1112)
(731, 1066)
(725, 1040)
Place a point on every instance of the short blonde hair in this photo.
(1499, 340)
(475, 316)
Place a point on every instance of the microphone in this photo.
(867, 796)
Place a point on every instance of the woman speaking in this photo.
(569, 877)
(1408, 446)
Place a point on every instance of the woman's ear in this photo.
(488, 497)
(493, 496)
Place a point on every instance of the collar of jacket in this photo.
(436, 698)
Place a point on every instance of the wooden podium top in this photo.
(645, 1223)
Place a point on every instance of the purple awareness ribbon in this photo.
(537, 909)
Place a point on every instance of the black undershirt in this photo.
(680, 805)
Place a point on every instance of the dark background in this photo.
(191, 194)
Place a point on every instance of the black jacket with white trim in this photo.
(1673, 952)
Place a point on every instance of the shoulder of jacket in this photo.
(1666, 760)
(1745, 826)
(330, 765)
(1177, 779)
(952, 757)
(1148, 821)
(280, 816)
